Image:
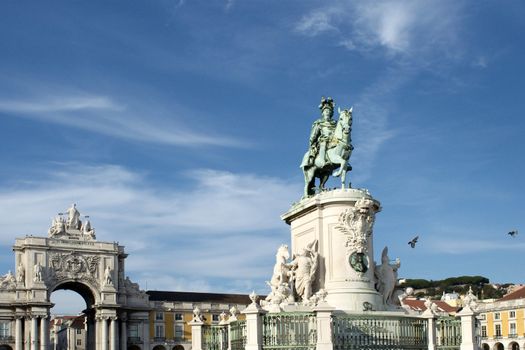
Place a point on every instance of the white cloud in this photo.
(399, 27)
(63, 104)
(225, 220)
(103, 115)
(315, 23)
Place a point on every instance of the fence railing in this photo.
(448, 331)
(289, 331)
(214, 337)
(238, 335)
(379, 332)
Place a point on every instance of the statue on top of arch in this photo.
(72, 226)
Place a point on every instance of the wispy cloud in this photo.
(399, 27)
(315, 23)
(104, 115)
(217, 220)
(64, 104)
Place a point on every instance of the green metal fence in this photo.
(238, 335)
(215, 337)
(448, 332)
(294, 331)
(370, 332)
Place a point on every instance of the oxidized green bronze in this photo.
(359, 262)
(330, 148)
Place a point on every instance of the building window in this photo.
(4, 329)
(497, 332)
(133, 330)
(79, 342)
(179, 331)
(178, 317)
(512, 328)
(159, 331)
(215, 317)
(484, 331)
(483, 316)
(496, 316)
(79, 331)
(512, 314)
(159, 316)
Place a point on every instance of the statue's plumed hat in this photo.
(326, 102)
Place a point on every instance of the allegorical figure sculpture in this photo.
(304, 267)
(73, 217)
(329, 148)
(386, 275)
(108, 280)
(58, 227)
(20, 273)
(37, 272)
(280, 281)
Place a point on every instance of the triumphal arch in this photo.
(71, 258)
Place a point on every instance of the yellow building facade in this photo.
(502, 322)
(171, 312)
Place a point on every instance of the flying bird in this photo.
(413, 242)
(513, 233)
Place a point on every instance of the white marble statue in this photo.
(58, 227)
(386, 275)
(304, 267)
(73, 217)
(281, 273)
(37, 272)
(108, 280)
(7, 281)
(20, 273)
(87, 230)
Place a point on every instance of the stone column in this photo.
(104, 334)
(468, 324)
(99, 325)
(19, 335)
(431, 328)
(196, 334)
(34, 333)
(113, 333)
(44, 333)
(324, 327)
(123, 334)
(254, 334)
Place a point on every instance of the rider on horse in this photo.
(321, 134)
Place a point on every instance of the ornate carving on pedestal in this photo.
(357, 224)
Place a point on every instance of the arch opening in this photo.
(73, 315)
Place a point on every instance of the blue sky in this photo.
(179, 125)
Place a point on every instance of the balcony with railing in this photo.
(7, 339)
(135, 340)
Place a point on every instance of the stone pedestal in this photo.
(320, 218)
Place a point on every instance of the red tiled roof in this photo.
(419, 305)
(519, 293)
